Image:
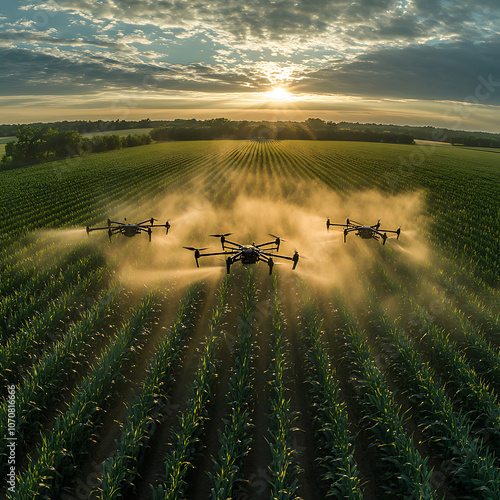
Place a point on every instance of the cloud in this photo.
(302, 21)
(443, 72)
(33, 73)
(31, 37)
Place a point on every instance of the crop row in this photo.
(339, 469)
(186, 437)
(53, 372)
(472, 465)
(21, 349)
(19, 307)
(234, 439)
(74, 431)
(283, 468)
(404, 472)
(120, 470)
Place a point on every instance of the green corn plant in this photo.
(330, 416)
(474, 470)
(120, 470)
(52, 373)
(284, 471)
(24, 302)
(20, 349)
(463, 385)
(73, 431)
(234, 439)
(185, 437)
(406, 472)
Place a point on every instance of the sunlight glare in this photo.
(279, 94)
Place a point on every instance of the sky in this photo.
(408, 62)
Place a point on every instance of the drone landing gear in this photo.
(270, 263)
(229, 261)
(345, 235)
(384, 237)
(149, 234)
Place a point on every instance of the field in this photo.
(371, 371)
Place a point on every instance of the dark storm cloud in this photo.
(445, 72)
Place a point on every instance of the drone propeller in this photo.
(196, 253)
(222, 238)
(277, 242)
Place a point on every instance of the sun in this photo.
(279, 94)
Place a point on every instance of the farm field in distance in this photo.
(370, 371)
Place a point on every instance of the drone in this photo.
(130, 230)
(366, 232)
(247, 254)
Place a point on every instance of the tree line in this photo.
(37, 144)
(311, 129)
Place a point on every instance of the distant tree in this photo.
(314, 123)
(62, 143)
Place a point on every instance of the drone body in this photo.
(130, 230)
(363, 231)
(247, 254)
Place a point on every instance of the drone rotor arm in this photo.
(236, 245)
(264, 244)
(147, 222)
(89, 229)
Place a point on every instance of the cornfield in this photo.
(371, 371)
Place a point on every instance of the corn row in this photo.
(20, 305)
(21, 348)
(330, 416)
(122, 468)
(234, 440)
(284, 471)
(473, 470)
(185, 438)
(478, 351)
(406, 472)
(74, 431)
(463, 385)
(20, 263)
(52, 373)
(18, 349)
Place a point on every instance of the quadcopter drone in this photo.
(130, 230)
(366, 232)
(247, 254)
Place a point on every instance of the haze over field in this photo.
(394, 61)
